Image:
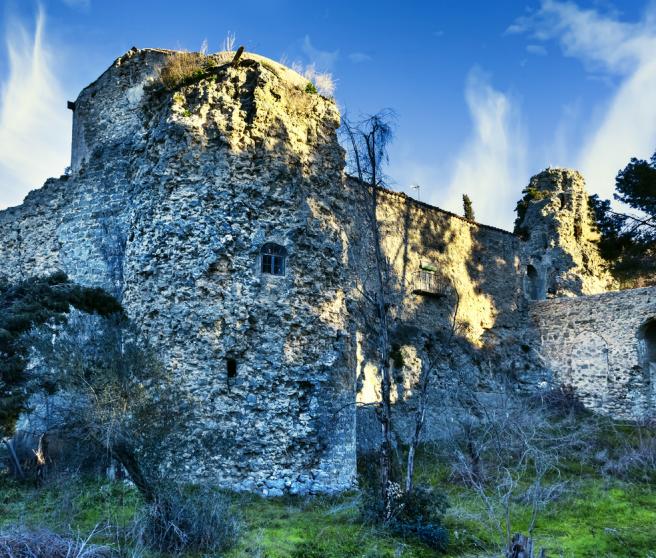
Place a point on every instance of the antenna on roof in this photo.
(416, 187)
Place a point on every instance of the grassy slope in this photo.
(596, 519)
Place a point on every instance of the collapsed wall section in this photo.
(603, 346)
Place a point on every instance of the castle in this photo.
(221, 216)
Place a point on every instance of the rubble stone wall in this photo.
(171, 199)
(174, 194)
(598, 345)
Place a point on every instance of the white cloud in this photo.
(34, 122)
(359, 57)
(539, 50)
(491, 165)
(323, 60)
(625, 126)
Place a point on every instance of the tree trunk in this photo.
(14, 458)
(126, 457)
(420, 418)
(522, 547)
(386, 380)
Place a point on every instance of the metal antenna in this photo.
(416, 187)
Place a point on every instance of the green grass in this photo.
(595, 518)
(316, 528)
(593, 521)
(290, 527)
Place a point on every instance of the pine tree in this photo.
(468, 208)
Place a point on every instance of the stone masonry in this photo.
(175, 198)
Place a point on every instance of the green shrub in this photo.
(310, 88)
(530, 195)
(418, 514)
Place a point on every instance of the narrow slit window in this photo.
(273, 259)
(231, 368)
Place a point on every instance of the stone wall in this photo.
(475, 268)
(171, 199)
(599, 345)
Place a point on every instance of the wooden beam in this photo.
(235, 60)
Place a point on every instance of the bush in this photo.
(418, 514)
(197, 519)
(562, 400)
(423, 505)
(635, 463)
(20, 543)
(182, 68)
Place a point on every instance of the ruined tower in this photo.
(560, 253)
(213, 209)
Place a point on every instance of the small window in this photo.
(231, 368)
(273, 259)
(532, 283)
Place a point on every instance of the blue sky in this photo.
(487, 93)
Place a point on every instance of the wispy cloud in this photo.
(625, 126)
(491, 166)
(34, 122)
(323, 60)
(539, 50)
(359, 57)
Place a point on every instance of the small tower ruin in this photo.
(560, 255)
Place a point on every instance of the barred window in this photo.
(273, 258)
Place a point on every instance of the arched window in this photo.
(648, 335)
(273, 258)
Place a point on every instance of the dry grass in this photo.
(182, 520)
(182, 68)
(323, 82)
(20, 543)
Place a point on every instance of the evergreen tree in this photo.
(26, 305)
(629, 241)
(635, 186)
(468, 208)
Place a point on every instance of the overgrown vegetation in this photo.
(195, 519)
(183, 68)
(529, 195)
(18, 543)
(604, 506)
(101, 385)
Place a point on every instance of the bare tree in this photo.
(111, 389)
(438, 353)
(367, 145)
(505, 450)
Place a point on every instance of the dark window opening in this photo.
(231, 368)
(532, 283)
(649, 336)
(273, 259)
